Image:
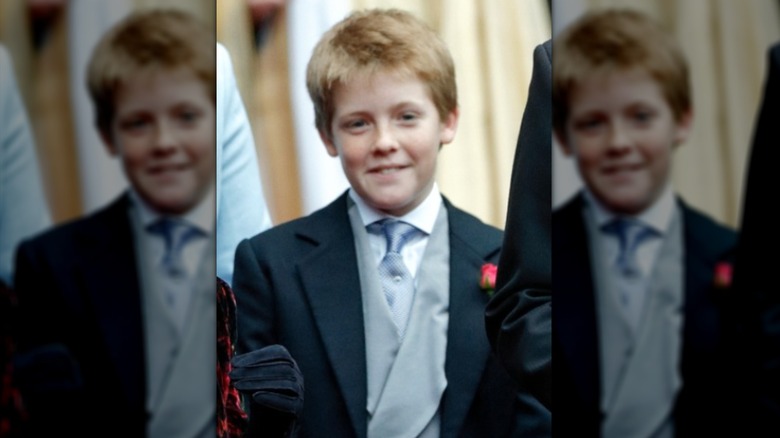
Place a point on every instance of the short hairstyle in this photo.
(148, 40)
(605, 41)
(372, 41)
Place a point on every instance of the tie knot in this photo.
(630, 234)
(176, 233)
(396, 232)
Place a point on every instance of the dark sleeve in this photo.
(48, 375)
(255, 329)
(518, 316)
(254, 301)
(37, 298)
(754, 270)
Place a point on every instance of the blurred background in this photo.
(726, 44)
(49, 42)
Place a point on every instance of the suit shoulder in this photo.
(485, 239)
(702, 230)
(281, 230)
(468, 220)
(71, 232)
(314, 227)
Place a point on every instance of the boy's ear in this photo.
(449, 126)
(329, 146)
(683, 129)
(561, 140)
(108, 142)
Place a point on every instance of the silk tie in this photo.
(627, 272)
(173, 273)
(397, 281)
(630, 234)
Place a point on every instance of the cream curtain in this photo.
(726, 44)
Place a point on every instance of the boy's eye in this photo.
(188, 116)
(407, 117)
(356, 124)
(643, 116)
(588, 124)
(134, 124)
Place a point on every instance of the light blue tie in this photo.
(628, 275)
(397, 281)
(173, 273)
(631, 234)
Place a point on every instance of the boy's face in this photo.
(164, 132)
(387, 131)
(622, 133)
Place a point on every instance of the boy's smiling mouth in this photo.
(618, 169)
(385, 170)
(167, 168)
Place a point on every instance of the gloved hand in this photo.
(271, 377)
(46, 371)
(52, 389)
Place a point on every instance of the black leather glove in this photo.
(272, 378)
(47, 370)
(51, 385)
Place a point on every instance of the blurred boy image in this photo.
(129, 290)
(377, 295)
(639, 326)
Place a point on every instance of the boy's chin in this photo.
(630, 206)
(394, 208)
(171, 206)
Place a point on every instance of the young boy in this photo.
(638, 328)
(129, 290)
(389, 345)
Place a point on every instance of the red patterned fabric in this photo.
(231, 418)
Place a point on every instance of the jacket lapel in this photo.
(467, 348)
(706, 244)
(114, 290)
(332, 286)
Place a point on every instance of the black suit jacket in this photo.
(702, 407)
(298, 285)
(77, 285)
(518, 316)
(754, 277)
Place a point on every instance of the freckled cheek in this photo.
(661, 166)
(136, 156)
(589, 159)
(202, 152)
(354, 159)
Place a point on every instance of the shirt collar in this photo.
(202, 216)
(423, 217)
(658, 216)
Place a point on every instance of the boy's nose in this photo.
(165, 138)
(619, 137)
(385, 139)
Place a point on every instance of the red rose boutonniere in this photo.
(488, 279)
(723, 273)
